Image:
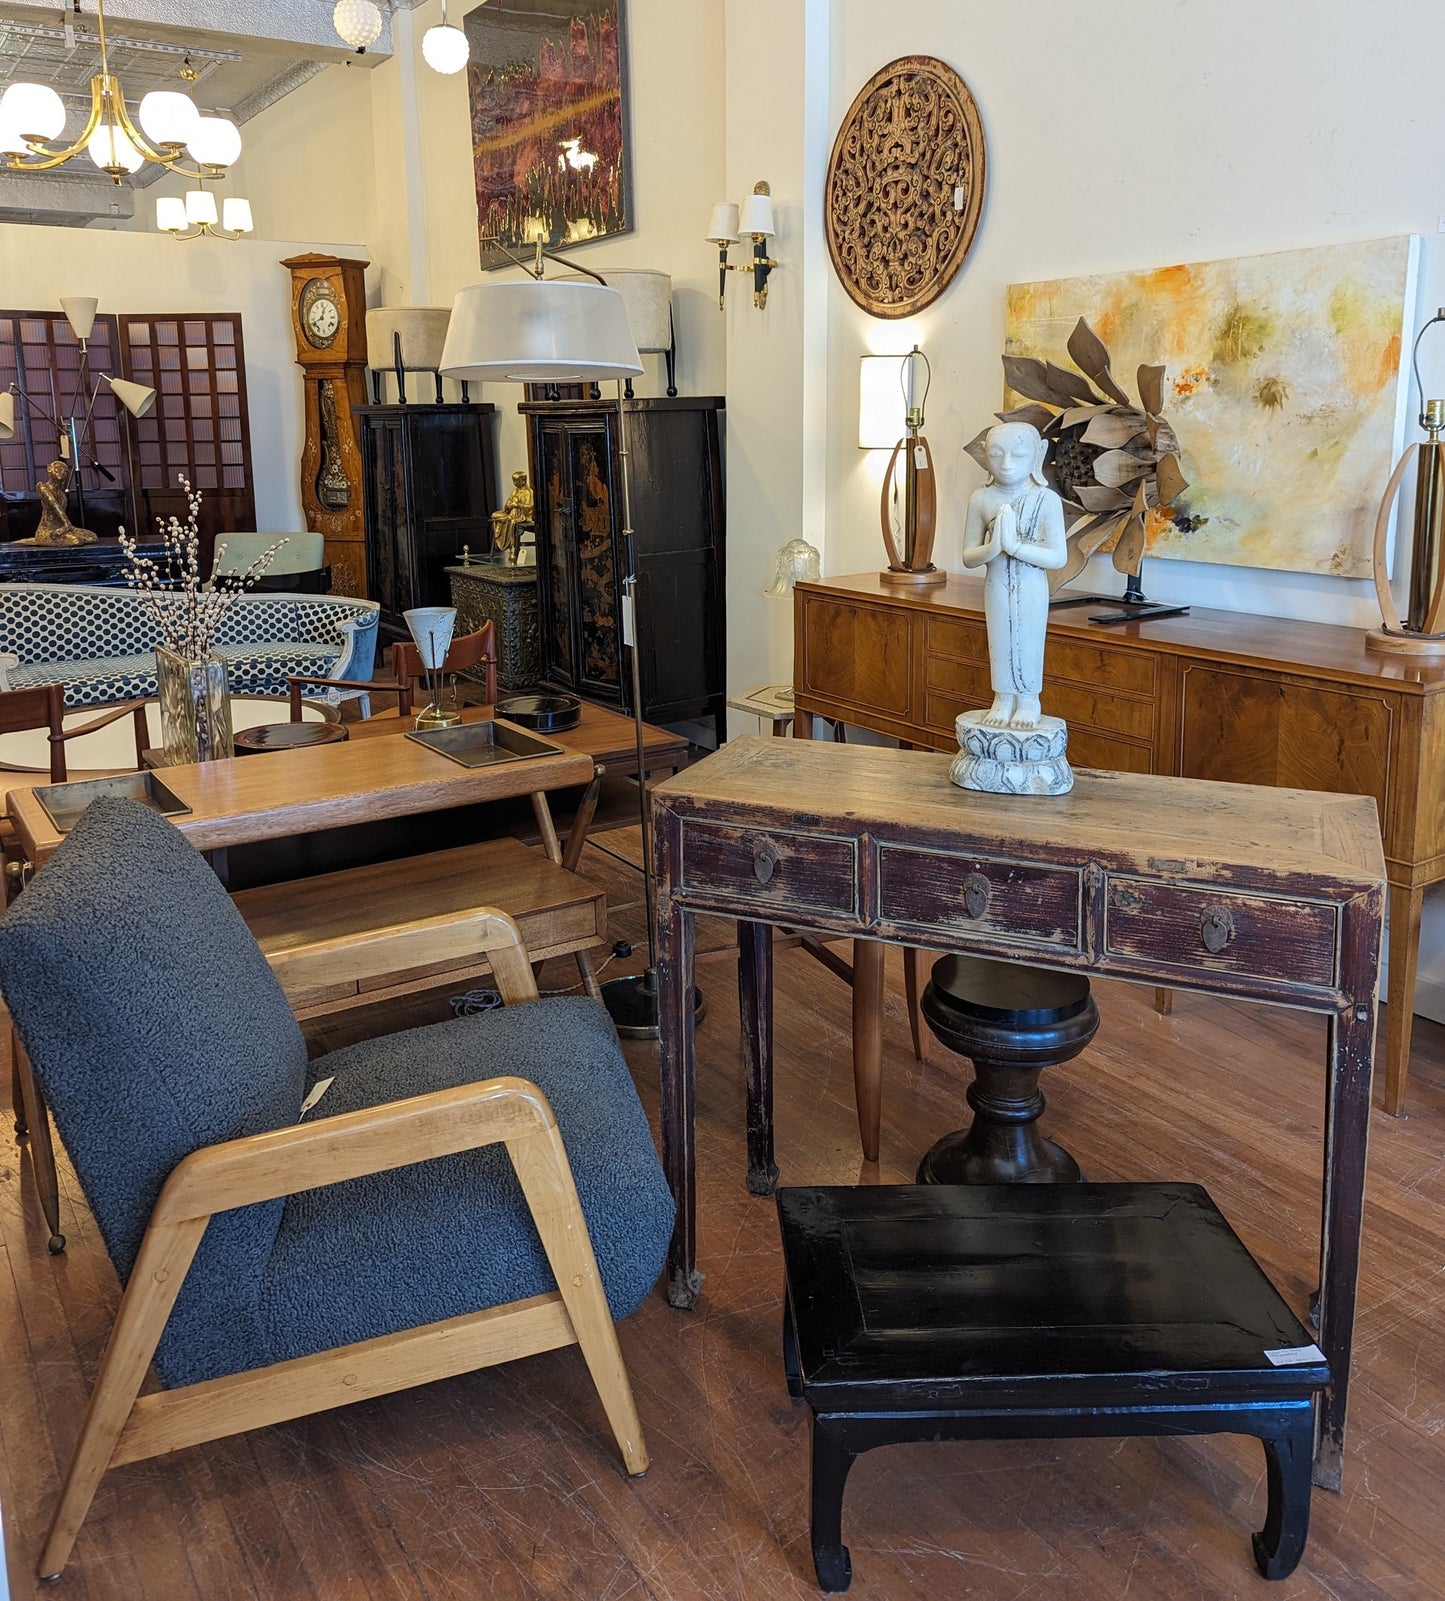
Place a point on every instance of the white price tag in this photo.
(629, 621)
(318, 1089)
(1291, 1356)
(920, 457)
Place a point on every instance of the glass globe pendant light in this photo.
(445, 47)
(358, 22)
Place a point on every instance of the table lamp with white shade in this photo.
(432, 628)
(559, 331)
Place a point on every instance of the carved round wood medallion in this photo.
(910, 141)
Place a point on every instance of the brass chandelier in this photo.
(171, 128)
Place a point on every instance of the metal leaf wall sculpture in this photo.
(1113, 461)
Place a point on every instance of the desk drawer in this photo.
(1221, 931)
(938, 889)
(765, 867)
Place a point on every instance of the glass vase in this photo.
(195, 708)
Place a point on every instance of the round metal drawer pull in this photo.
(1216, 929)
(765, 859)
(976, 891)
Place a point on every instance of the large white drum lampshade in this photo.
(540, 331)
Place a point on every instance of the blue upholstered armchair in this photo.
(420, 1219)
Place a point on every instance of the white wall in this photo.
(140, 273)
(1133, 134)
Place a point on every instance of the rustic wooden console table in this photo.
(1216, 694)
(1270, 895)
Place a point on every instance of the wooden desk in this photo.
(304, 791)
(1216, 694)
(1271, 895)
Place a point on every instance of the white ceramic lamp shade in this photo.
(432, 628)
(539, 332)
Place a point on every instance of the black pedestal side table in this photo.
(1023, 1311)
(1011, 1022)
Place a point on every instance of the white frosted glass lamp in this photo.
(358, 22)
(236, 215)
(80, 314)
(12, 141)
(445, 48)
(216, 142)
(111, 149)
(168, 118)
(33, 110)
(201, 208)
(171, 214)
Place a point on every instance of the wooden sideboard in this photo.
(1216, 694)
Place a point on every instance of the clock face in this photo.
(320, 313)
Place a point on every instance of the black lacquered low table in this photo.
(942, 1312)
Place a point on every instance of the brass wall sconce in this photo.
(728, 224)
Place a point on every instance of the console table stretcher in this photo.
(1265, 894)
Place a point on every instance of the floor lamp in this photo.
(557, 331)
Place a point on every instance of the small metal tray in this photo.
(483, 744)
(63, 803)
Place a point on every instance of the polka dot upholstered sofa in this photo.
(100, 643)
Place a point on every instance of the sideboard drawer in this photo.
(769, 866)
(943, 890)
(1194, 926)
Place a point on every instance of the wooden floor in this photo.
(506, 1484)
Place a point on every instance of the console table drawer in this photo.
(1195, 926)
(816, 871)
(1040, 905)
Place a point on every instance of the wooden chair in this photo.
(176, 1073)
(44, 707)
(468, 651)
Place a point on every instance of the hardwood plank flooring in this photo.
(506, 1483)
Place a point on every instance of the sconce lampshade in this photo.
(79, 313)
(171, 214)
(540, 331)
(723, 227)
(136, 398)
(756, 216)
(7, 415)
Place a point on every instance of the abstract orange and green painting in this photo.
(1284, 383)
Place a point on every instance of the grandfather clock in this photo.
(328, 316)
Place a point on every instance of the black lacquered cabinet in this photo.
(675, 456)
(430, 483)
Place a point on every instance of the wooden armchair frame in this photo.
(121, 1425)
(468, 650)
(44, 707)
(298, 687)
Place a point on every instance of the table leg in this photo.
(802, 725)
(913, 960)
(569, 858)
(676, 935)
(1406, 904)
(755, 1007)
(868, 1041)
(1347, 1120)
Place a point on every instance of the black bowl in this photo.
(547, 714)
